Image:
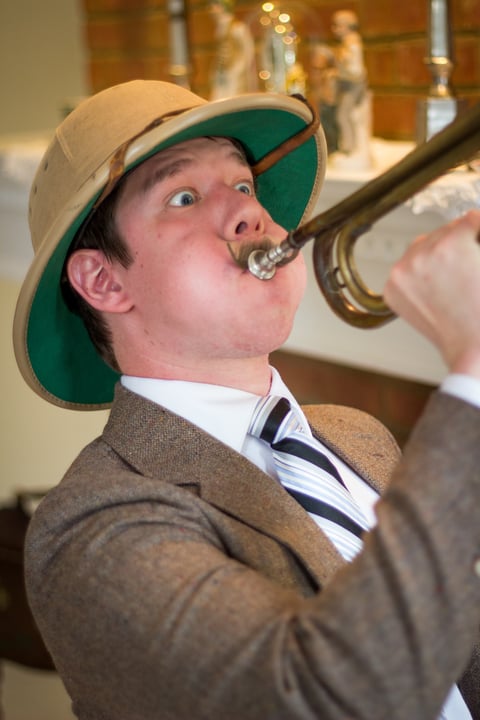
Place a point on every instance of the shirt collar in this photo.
(223, 412)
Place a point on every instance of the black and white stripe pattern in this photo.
(308, 474)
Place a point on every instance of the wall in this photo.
(38, 440)
(42, 61)
(37, 444)
(129, 38)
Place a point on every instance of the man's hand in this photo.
(435, 287)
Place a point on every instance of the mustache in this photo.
(241, 253)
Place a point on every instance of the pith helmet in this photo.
(105, 136)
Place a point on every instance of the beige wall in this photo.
(38, 441)
(42, 65)
(41, 45)
(42, 61)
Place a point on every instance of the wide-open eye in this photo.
(245, 187)
(182, 198)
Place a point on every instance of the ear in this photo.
(95, 278)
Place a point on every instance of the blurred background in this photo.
(53, 51)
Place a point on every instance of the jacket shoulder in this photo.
(361, 440)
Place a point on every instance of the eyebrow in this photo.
(238, 154)
(160, 173)
(170, 169)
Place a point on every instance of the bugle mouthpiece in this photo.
(263, 263)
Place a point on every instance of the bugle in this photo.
(336, 230)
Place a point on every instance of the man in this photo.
(170, 573)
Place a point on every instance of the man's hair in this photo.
(98, 232)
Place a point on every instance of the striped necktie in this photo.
(308, 475)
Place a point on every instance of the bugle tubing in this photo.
(336, 230)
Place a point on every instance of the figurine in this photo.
(323, 91)
(353, 100)
(234, 67)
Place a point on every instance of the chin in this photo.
(265, 341)
(275, 337)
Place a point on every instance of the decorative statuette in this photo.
(234, 66)
(353, 99)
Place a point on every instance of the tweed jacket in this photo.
(173, 580)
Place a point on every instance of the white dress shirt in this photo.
(225, 413)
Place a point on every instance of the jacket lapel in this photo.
(262, 503)
(159, 444)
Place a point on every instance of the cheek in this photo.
(295, 281)
(183, 290)
(301, 274)
(157, 266)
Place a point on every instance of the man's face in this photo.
(342, 24)
(190, 300)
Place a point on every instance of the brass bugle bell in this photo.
(336, 230)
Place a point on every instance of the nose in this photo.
(245, 218)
